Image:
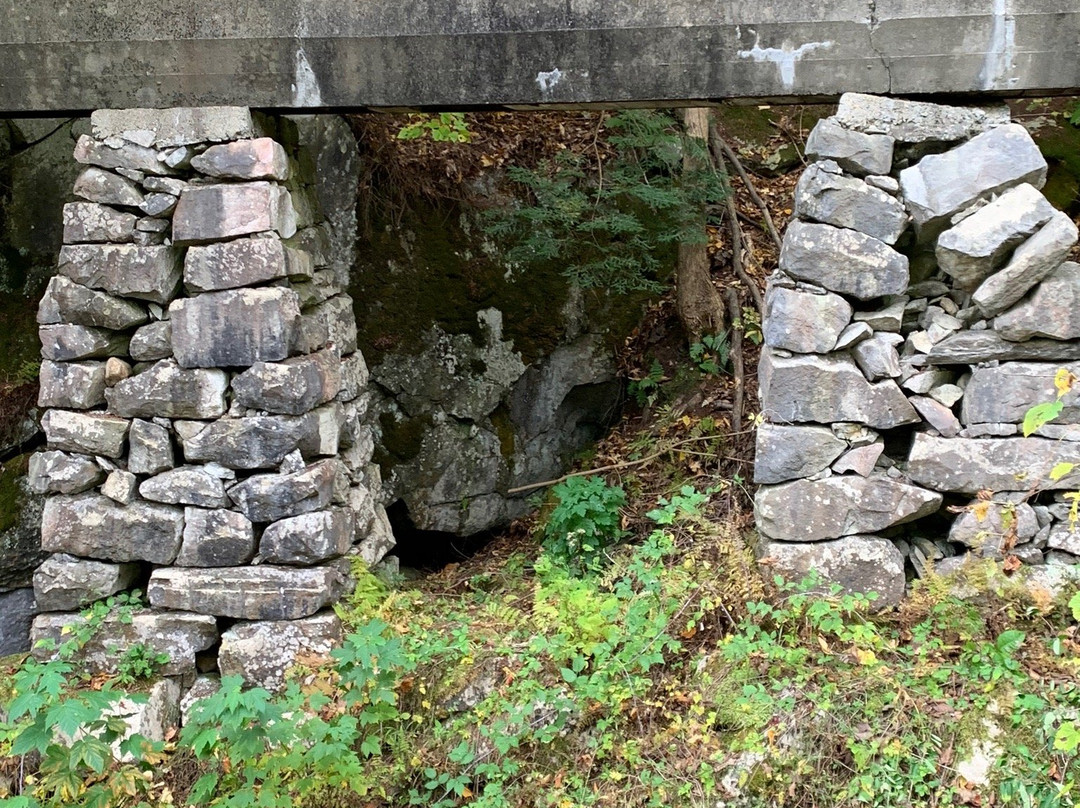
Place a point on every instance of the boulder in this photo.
(271, 497)
(790, 452)
(216, 538)
(941, 185)
(378, 539)
(1051, 310)
(62, 473)
(972, 250)
(91, 222)
(107, 188)
(243, 262)
(150, 448)
(18, 608)
(91, 433)
(66, 583)
(1004, 394)
(67, 342)
(258, 159)
(127, 270)
(823, 194)
(802, 321)
(263, 652)
(246, 593)
(1064, 537)
(292, 387)
(72, 385)
(308, 538)
(967, 466)
(68, 302)
(218, 212)
(169, 391)
(916, 121)
(843, 261)
(858, 564)
(1032, 261)
(855, 152)
(152, 342)
(234, 328)
(179, 635)
(187, 485)
(973, 347)
(94, 526)
(824, 389)
(812, 510)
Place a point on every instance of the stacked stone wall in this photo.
(205, 399)
(922, 305)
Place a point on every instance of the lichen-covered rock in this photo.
(967, 466)
(843, 261)
(234, 328)
(68, 302)
(825, 195)
(218, 212)
(177, 126)
(330, 323)
(856, 152)
(67, 342)
(812, 510)
(62, 473)
(107, 188)
(858, 564)
(152, 342)
(258, 159)
(125, 155)
(292, 387)
(216, 538)
(126, 270)
(66, 583)
(93, 526)
(270, 497)
(91, 433)
(150, 448)
(88, 222)
(72, 385)
(243, 262)
(250, 442)
(263, 652)
(1052, 310)
(169, 391)
(187, 485)
(916, 121)
(973, 347)
(308, 538)
(246, 593)
(1004, 394)
(802, 321)
(790, 452)
(877, 357)
(987, 526)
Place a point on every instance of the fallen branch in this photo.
(729, 153)
(735, 314)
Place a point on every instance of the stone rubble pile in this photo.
(922, 305)
(205, 401)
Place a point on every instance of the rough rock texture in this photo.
(843, 261)
(1003, 394)
(974, 347)
(233, 328)
(216, 538)
(968, 466)
(150, 448)
(18, 608)
(802, 321)
(252, 442)
(66, 583)
(68, 342)
(170, 391)
(94, 526)
(127, 270)
(212, 212)
(187, 485)
(989, 527)
(292, 387)
(90, 222)
(246, 593)
(263, 652)
(57, 472)
(243, 262)
(270, 497)
(89, 433)
(308, 538)
(825, 195)
(68, 302)
(855, 152)
(790, 452)
(1052, 309)
(73, 385)
(258, 159)
(916, 121)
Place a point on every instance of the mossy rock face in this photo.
(20, 526)
(1059, 141)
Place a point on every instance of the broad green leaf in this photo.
(1060, 470)
(1040, 415)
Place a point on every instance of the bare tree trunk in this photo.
(698, 303)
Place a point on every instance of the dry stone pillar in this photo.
(205, 398)
(922, 305)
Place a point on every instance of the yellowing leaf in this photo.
(1060, 470)
(824, 645)
(865, 656)
(981, 509)
(1064, 381)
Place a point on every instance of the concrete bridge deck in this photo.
(77, 55)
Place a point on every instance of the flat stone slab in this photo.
(802, 321)
(973, 347)
(93, 526)
(187, 485)
(916, 121)
(66, 583)
(119, 155)
(843, 261)
(308, 538)
(263, 652)
(1004, 394)
(823, 194)
(167, 390)
(824, 389)
(65, 301)
(179, 635)
(126, 270)
(246, 593)
(292, 387)
(179, 126)
(941, 185)
(970, 465)
(67, 342)
(271, 497)
(858, 564)
(790, 452)
(813, 510)
(234, 328)
(150, 448)
(73, 385)
(251, 442)
(218, 212)
(987, 525)
(89, 433)
(1051, 310)
(256, 159)
(107, 188)
(62, 473)
(243, 262)
(89, 222)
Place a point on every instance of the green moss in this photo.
(401, 440)
(11, 493)
(504, 429)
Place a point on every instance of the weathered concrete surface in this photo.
(74, 55)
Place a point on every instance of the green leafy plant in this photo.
(138, 662)
(646, 389)
(443, 127)
(711, 354)
(584, 521)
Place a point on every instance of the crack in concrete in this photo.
(872, 25)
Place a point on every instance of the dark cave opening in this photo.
(431, 550)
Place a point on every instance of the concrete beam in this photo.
(77, 55)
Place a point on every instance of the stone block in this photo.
(68, 302)
(1051, 310)
(967, 465)
(823, 194)
(67, 342)
(116, 370)
(93, 526)
(989, 527)
(243, 262)
(858, 564)
(263, 652)
(120, 486)
(91, 222)
(150, 448)
(936, 415)
(152, 342)
(246, 593)
(972, 250)
(1065, 538)
(168, 391)
(62, 473)
(292, 387)
(309, 538)
(973, 347)
(251, 442)
(178, 126)
(18, 608)
(824, 389)
(66, 583)
(125, 155)
(179, 635)
(790, 452)
(92, 433)
(856, 152)
(917, 121)
(861, 460)
(843, 261)
(813, 510)
(1004, 394)
(877, 357)
(73, 385)
(234, 328)
(802, 321)
(216, 538)
(216, 212)
(258, 159)
(107, 188)
(187, 485)
(941, 185)
(331, 323)
(1032, 261)
(126, 270)
(272, 497)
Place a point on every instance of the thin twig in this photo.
(733, 225)
(729, 153)
(735, 316)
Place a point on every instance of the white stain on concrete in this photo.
(786, 57)
(305, 86)
(546, 80)
(999, 62)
